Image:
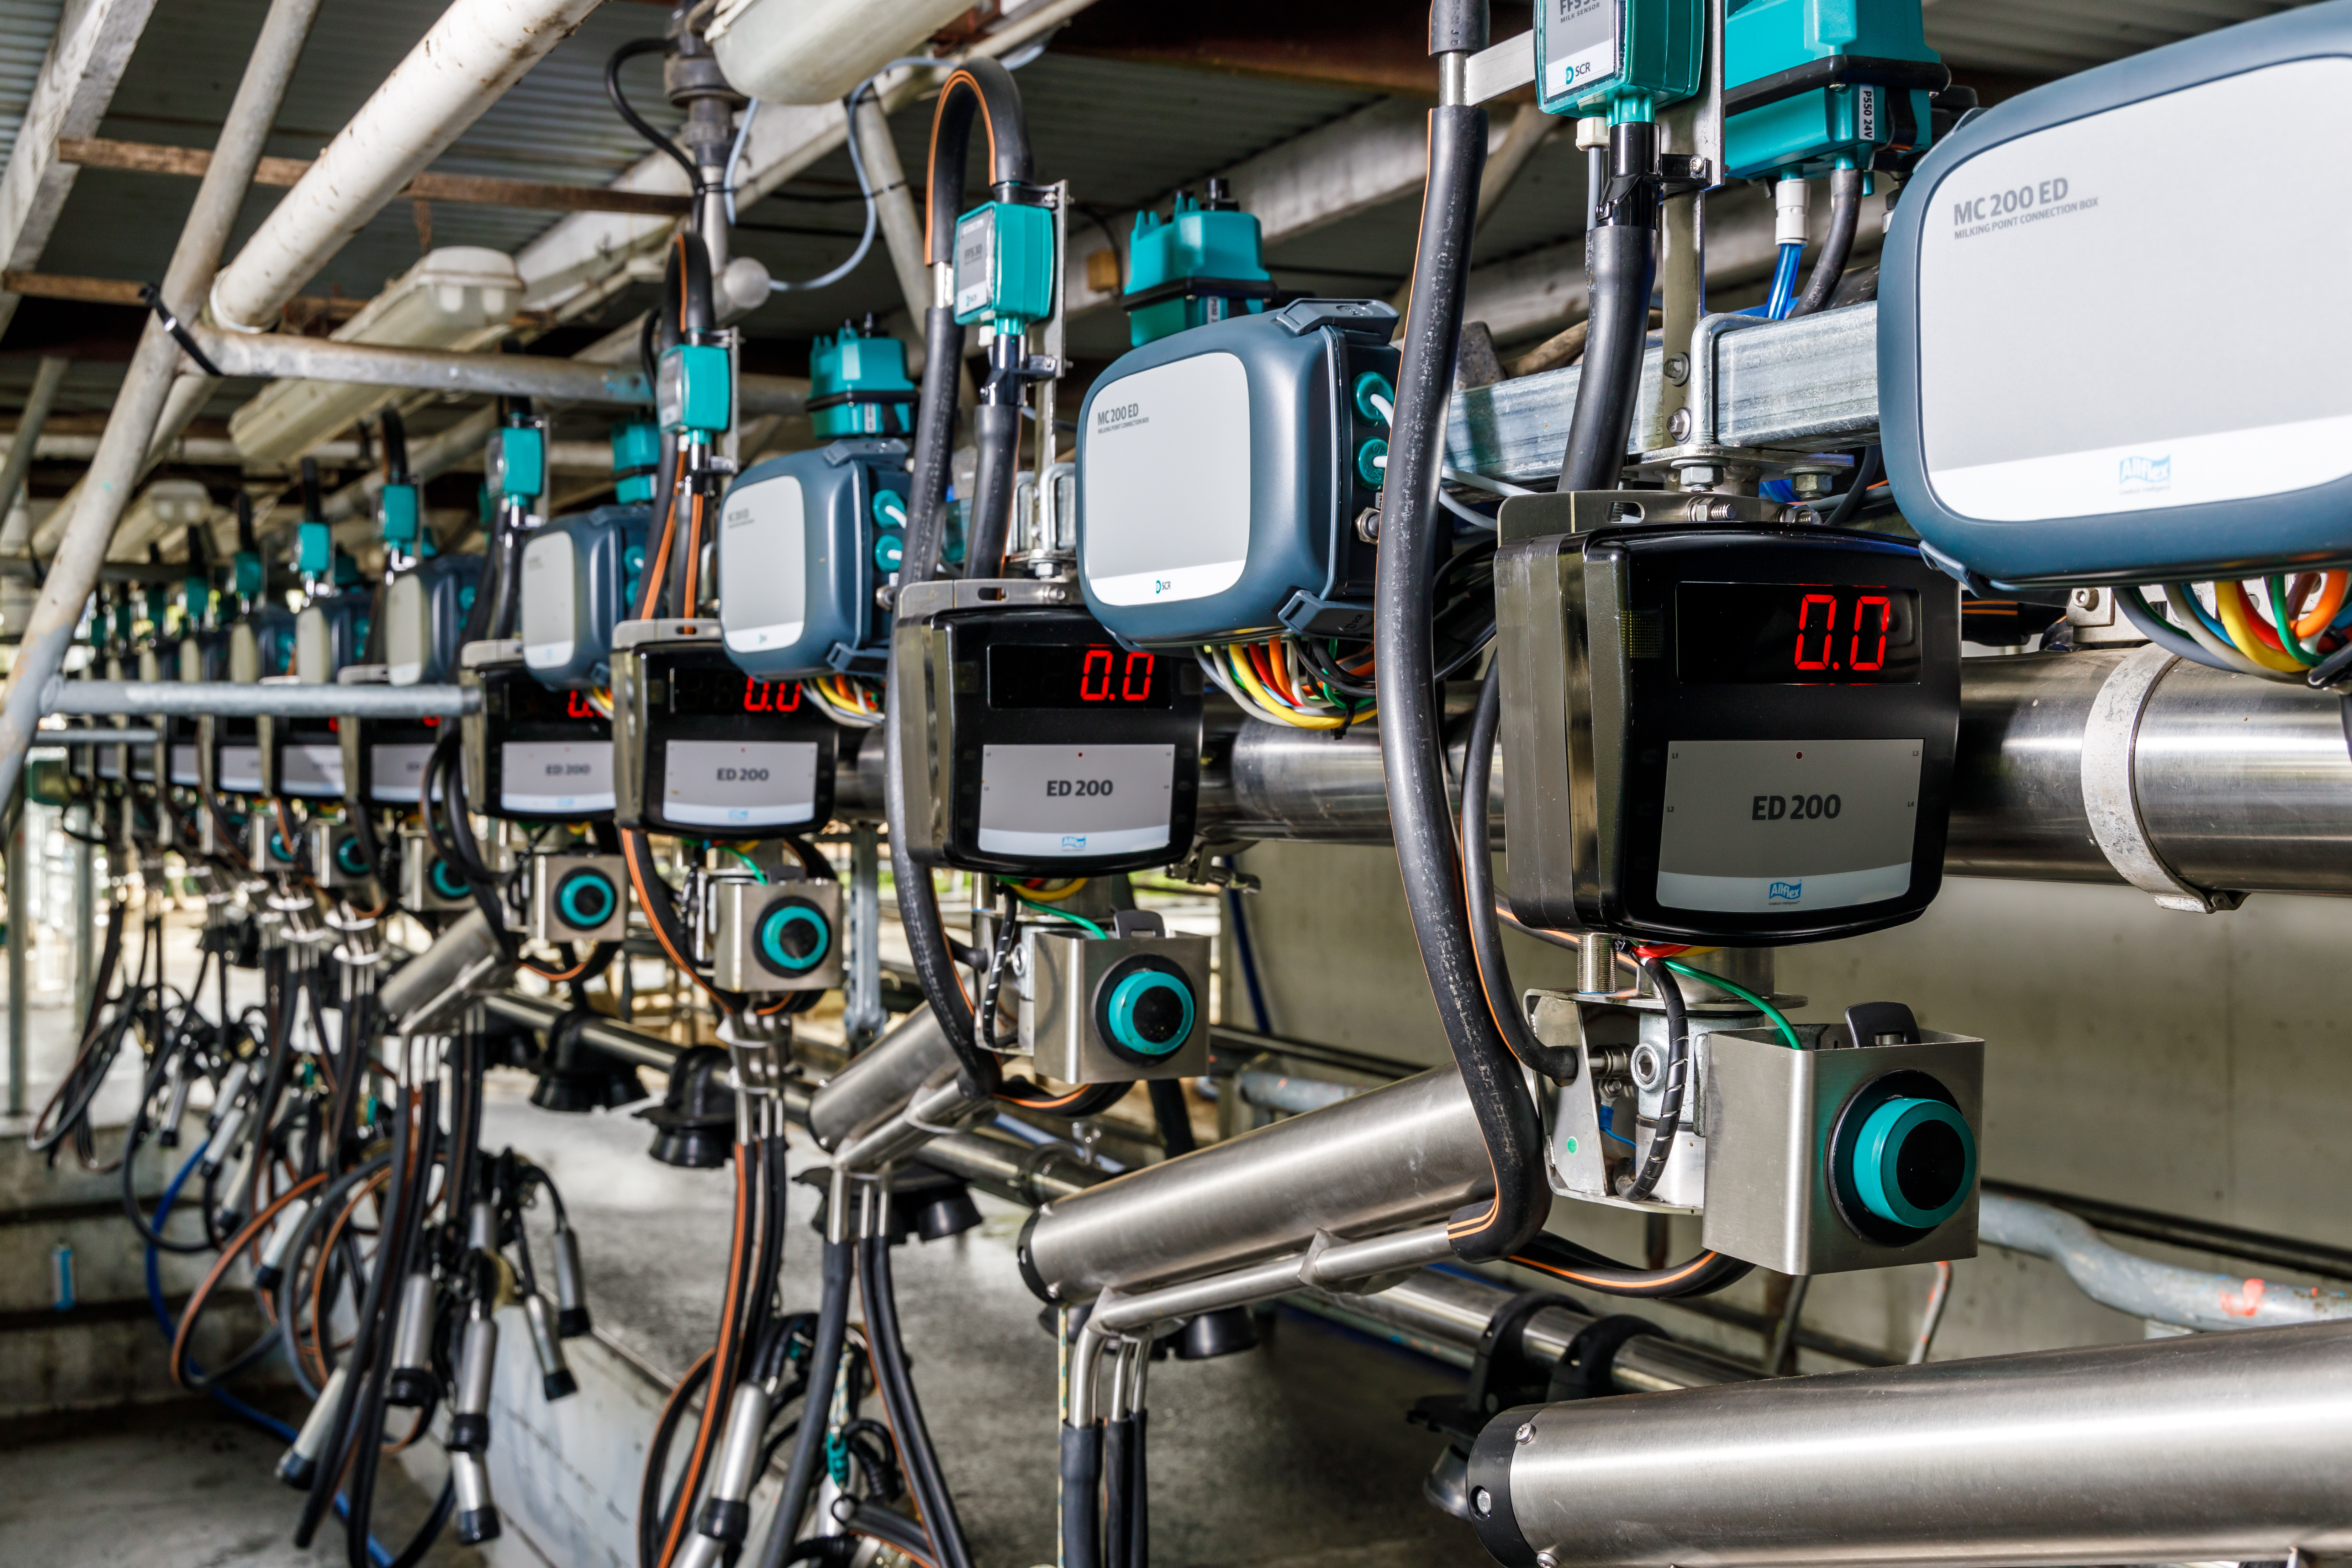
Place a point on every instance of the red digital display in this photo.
(771, 696)
(1763, 634)
(725, 693)
(1077, 675)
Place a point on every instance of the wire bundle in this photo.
(1286, 680)
(847, 699)
(2309, 624)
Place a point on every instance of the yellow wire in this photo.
(2230, 600)
(1273, 704)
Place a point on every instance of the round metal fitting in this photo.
(1649, 1065)
(1678, 425)
(1483, 1500)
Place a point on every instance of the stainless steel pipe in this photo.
(2242, 784)
(2200, 1449)
(881, 1080)
(1403, 1154)
(229, 699)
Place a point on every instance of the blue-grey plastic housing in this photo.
(1221, 472)
(2068, 391)
(425, 611)
(796, 560)
(579, 577)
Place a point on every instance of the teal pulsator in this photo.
(586, 898)
(1198, 253)
(1813, 85)
(1152, 1012)
(1914, 1163)
(794, 937)
(858, 384)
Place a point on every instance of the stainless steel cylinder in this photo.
(879, 1080)
(571, 1287)
(2205, 1447)
(555, 1379)
(738, 1452)
(412, 1339)
(1403, 1154)
(464, 961)
(2241, 781)
(476, 1362)
(300, 1460)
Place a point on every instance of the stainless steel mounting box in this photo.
(1773, 1117)
(1061, 981)
(738, 910)
(552, 876)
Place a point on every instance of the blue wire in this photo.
(1249, 961)
(1783, 298)
(236, 1406)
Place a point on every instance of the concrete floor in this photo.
(180, 1486)
(1293, 1454)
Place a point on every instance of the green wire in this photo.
(2287, 639)
(747, 860)
(1762, 1005)
(1062, 915)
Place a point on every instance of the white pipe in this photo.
(147, 387)
(474, 53)
(2159, 1292)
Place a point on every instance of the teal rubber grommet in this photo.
(778, 922)
(1914, 1163)
(1370, 384)
(1131, 1029)
(1371, 463)
(889, 509)
(586, 898)
(446, 881)
(889, 549)
(349, 858)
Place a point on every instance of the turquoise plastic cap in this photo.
(779, 923)
(515, 465)
(1129, 1026)
(858, 385)
(445, 881)
(587, 898)
(350, 857)
(1915, 1163)
(636, 452)
(248, 575)
(314, 550)
(278, 849)
(1004, 265)
(693, 390)
(1192, 242)
(399, 514)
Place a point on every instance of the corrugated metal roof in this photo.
(26, 29)
(2055, 37)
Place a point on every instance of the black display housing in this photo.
(947, 721)
(516, 709)
(665, 693)
(1595, 703)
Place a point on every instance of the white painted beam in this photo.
(78, 76)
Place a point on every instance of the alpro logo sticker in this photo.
(2139, 474)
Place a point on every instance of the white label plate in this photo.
(308, 768)
(240, 768)
(1757, 826)
(555, 775)
(1074, 801)
(1156, 523)
(396, 773)
(739, 784)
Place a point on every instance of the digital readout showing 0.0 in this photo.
(724, 693)
(1077, 675)
(1796, 634)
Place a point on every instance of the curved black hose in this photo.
(823, 1368)
(444, 775)
(1670, 1099)
(887, 1525)
(395, 448)
(637, 122)
(1845, 210)
(1478, 894)
(652, 1519)
(1081, 1504)
(637, 852)
(982, 87)
(1411, 717)
(1625, 265)
(686, 278)
(988, 520)
(1563, 1260)
(917, 1456)
(1865, 474)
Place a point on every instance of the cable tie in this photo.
(152, 296)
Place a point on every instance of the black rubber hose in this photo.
(1138, 1494)
(1563, 1260)
(917, 1456)
(1625, 266)
(935, 422)
(988, 520)
(1081, 1509)
(1411, 717)
(1846, 211)
(686, 287)
(1118, 1496)
(977, 85)
(887, 1525)
(636, 122)
(1174, 1117)
(395, 448)
(823, 1368)
(1478, 894)
(1670, 1099)
(1865, 474)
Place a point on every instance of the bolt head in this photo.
(1526, 1431)
(1678, 425)
(1484, 1501)
(1699, 476)
(1367, 525)
(1809, 485)
(2087, 598)
(1546, 1559)
(1677, 369)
